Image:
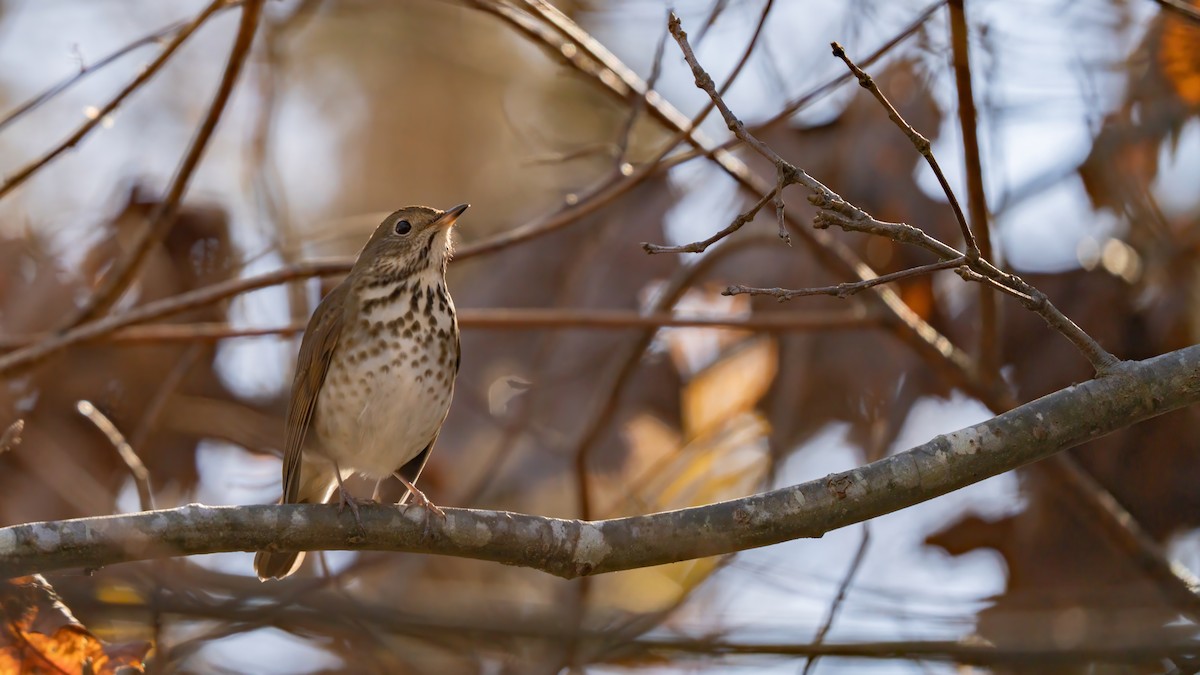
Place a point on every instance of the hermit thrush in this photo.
(375, 373)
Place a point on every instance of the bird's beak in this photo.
(451, 215)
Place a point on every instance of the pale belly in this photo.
(381, 408)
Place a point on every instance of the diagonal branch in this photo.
(163, 216)
(919, 142)
(151, 311)
(1133, 392)
(15, 180)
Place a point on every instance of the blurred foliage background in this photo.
(348, 109)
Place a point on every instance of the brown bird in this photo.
(375, 373)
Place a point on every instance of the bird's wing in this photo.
(316, 350)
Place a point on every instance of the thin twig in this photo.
(86, 70)
(786, 173)
(141, 476)
(144, 76)
(977, 266)
(618, 80)
(35, 353)
(919, 142)
(701, 246)
(847, 289)
(1100, 359)
(803, 101)
(638, 105)
(163, 216)
(840, 597)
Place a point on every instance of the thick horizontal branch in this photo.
(1131, 392)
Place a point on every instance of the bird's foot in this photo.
(347, 500)
(420, 499)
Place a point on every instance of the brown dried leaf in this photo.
(41, 635)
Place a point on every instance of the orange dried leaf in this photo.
(40, 635)
(1179, 57)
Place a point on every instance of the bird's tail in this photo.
(317, 481)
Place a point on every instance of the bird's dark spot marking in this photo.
(370, 305)
(428, 246)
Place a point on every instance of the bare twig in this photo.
(1037, 302)
(618, 80)
(919, 142)
(144, 76)
(569, 548)
(840, 596)
(976, 266)
(141, 476)
(638, 105)
(847, 289)
(701, 246)
(802, 101)
(88, 69)
(34, 353)
(786, 174)
(163, 216)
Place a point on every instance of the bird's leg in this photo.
(345, 498)
(418, 496)
(378, 491)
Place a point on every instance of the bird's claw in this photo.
(345, 499)
(421, 500)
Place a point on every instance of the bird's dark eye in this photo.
(403, 227)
